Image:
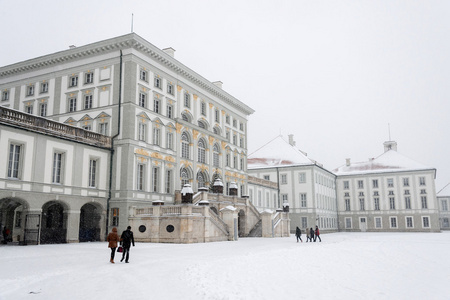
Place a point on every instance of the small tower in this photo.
(233, 189)
(218, 186)
(390, 145)
(186, 194)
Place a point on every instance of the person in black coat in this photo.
(311, 234)
(126, 239)
(298, 234)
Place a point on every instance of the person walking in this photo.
(126, 239)
(317, 233)
(113, 238)
(298, 234)
(311, 234)
(308, 237)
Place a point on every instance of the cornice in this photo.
(133, 41)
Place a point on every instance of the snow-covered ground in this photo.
(342, 266)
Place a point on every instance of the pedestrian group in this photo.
(125, 241)
(311, 234)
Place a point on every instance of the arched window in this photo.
(185, 145)
(186, 117)
(201, 151)
(216, 153)
(216, 130)
(201, 124)
(201, 178)
(184, 174)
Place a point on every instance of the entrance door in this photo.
(31, 232)
(363, 224)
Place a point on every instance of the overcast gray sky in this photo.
(333, 73)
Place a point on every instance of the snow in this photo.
(342, 266)
(389, 161)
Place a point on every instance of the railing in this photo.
(218, 221)
(40, 124)
(197, 210)
(276, 219)
(197, 198)
(144, 211)
(263, 182)
(171, 210)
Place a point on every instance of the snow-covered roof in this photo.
(277, 153)
(389, 161)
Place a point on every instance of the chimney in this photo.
(218, 84)
(390, 145)
(291, 140)
(169, 51)
(347, 162)
(72, 46)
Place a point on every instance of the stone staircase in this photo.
(257, 230)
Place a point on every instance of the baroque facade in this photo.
(168, 126)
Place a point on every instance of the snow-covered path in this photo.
(343, 266)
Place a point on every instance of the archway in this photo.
(89, 223)
(241, 223)
(54, 220)
(12, 216)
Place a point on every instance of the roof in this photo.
(389, 161)
(445, 191)
(277, 153)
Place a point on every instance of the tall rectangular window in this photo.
(140, 177)
(14, 163)
(391, 202)
(30, 90)
(348, 223)
(203, 108)
(143, 75)
(57, 167)
(284, 197)
(405, 181)
(87, 101)
(44, 87)
(361, 204)
(301, 177)
(156, 106)
(18, 219)
(29, 108)
(376, 203)
(283, 179)
(169, 140)
(89, 77)
(170, 88)
(346, 185)
(378, 222)
(393, 221)
(390, 182)
(375, 183)
(114, 217)
(103, 128)
(5, 95)
(228, 160)
(187, 100)
(444, 205)
(347, 204)
(303, 200)
(360, 184)
(421, 180)
(304, 222)
(72, 104)
(217, 116)
(157, 82)
(43, 109)
(409, 222)
(408, 202)
(142, 132)
(426, 222)
(168, 188)
(73, 81)
(423, 199)
(92, 172)
(155, 185)
(156, 136)
(142, 99)
(169, 111)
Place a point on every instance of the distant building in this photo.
(303, 184)
(388, 193)
(443, 198)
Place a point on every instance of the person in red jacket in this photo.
(317, 234)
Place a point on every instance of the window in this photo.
(185, 117)
(303, 202)
(241, 126)
(390, 182)
(421, 180)
(88, 77)
(228, 160)
(348, 222)
(284, 197)
(157, 82)
(140, 177)
(393, 222)
(14, 162)
(103, 128)
(217, 116)
(360, 184)
(283, 179)
(73, 81)
(142, 99)
(203, 108)
(409, 222)
(43, 109)
(408, 202)
(241, 142)
(201, 179)
(92, 172)
(169, 140)
(18, 219)
(227, 119)
(391, 202)
(361, 204)
(29, 108)
(156, 106)
(234, 123)
(376, 203)
(168, 188)
(185, 145)
(445, 223)
(169, 111)
(201, 151)
(170, 88)
(5, 95)
(266, 177)
(227, 136)
(201, 124)
(444, 205)
(30, 90)
(187, 100)
(216, 153)
(57, 167)
(235, 162)
(423, 199)
(304, 222)
(143, 75)
(422, 192)
(44, 87)
(426, 222)
(184, 174)
(155, 186)
(156, 136)
(72, 104)
(378, 222)
(234, 139)
(375, 183)
(301, 177)
(347, 204)
(406, 192)
(114, 217)
(87, 101)
(241, 164)
(142, 132)
(405, 181)
(346, 185)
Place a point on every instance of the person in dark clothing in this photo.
(6, 233)
(126, 239)
(311, 234)
(317, 234)
(298, 234)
